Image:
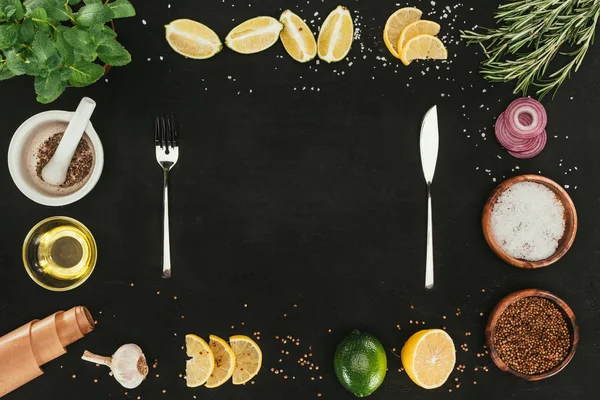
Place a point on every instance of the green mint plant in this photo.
(60, 42)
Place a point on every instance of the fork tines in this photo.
(165, 131)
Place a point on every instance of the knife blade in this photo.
(429, 144)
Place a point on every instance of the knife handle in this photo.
(429, 257)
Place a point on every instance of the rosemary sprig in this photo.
(529, 35)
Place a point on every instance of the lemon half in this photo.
(428, 358)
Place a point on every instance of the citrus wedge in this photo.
(255, 35)
(396, 24)
(248, 359)
(429, 357)
(421, 47)
(192, 39)
(420, 27)
(336, 35)
(202, 362)
(224, 362)
(297, 38)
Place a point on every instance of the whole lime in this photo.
(360, 363)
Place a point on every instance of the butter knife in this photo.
(429, 151)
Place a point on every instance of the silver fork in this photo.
(166, 141)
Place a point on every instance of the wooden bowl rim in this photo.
(569, 235)
(504, 304)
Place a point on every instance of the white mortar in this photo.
(22, 159)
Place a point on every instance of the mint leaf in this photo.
(80, 40)
(31, 4)
(85, 73)
(74, 2)
(50, 86)
(14, 9)
(92, 1)
(9, 35)
(27, 31)
(63, 47)
(113, 53)
(107, 32)
(5, 73)
(101, 32)
(20, 10)
(57, 9)
(93, 14)
(44, 52)
(18, 64)
(41, 20)
(122, 8)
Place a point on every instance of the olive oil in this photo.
(59, 253)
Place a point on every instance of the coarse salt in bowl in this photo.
(529, 221)
(23, 152)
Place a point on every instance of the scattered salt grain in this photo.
(527, 221)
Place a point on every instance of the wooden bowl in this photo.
(564, 244)
(564, 308)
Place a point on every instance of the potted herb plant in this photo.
(60, 42)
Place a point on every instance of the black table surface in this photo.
(298, 209)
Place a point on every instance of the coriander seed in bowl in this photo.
(532, 334)
(529, 221)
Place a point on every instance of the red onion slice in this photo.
(508, 141)
(539, 146)
(526, 118)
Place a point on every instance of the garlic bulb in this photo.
(128, 364)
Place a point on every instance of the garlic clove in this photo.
(128, 365)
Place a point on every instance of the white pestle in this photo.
(55, 172)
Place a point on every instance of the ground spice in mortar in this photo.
(81, 163)
(532, 336)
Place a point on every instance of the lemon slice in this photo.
(336, 35)
(224, 362)
(429, 357)
(395, 24)
(248, 359)
(192, 39)
(297, 38)
(202, 362)
(421, 47)
(421, 27)
(255, 35)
